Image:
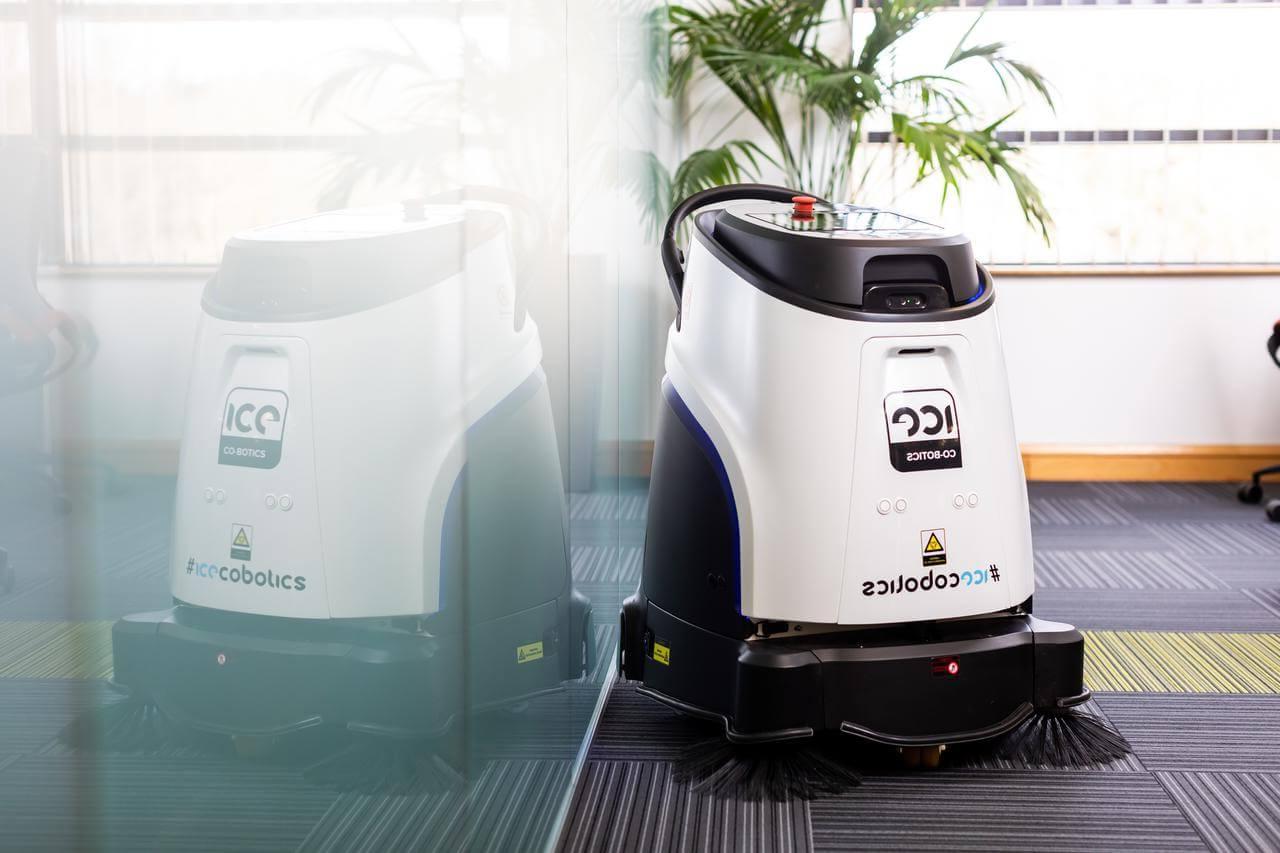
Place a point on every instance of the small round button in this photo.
(900, 505)
(972, 500)
(220, 496)
(286, 503)
(884, 506)
(270, 501)
(208, 496)
(958, 501)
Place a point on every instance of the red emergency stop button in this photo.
(802, 206)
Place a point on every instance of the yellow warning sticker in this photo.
(662, 654)
(933, 547)
(241, 541)
(530, 652)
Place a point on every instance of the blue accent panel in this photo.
(506, 405)
(713, 456)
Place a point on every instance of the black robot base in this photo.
(904, 685)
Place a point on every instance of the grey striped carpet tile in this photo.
(608, 506)
(1254, 537)
(639, 806)
(616, 564)
(136, 803)
(1077, 512)
(552, 726)
(1002, 810)
(635, 726)
(510, 806)
(606, 640)
(34, 710)
(83, 599)
(1167, 495)
(1236, 570)
(606, 599)
(1133, 537)
(1156, 610)
(1065, 489)
(1268, 598)
(1231, 811)
(1089, 569)
(1198, 732)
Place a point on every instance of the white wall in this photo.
(1101, 361)
(1178, 360)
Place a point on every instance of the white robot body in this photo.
(314, 474)
(799, 406)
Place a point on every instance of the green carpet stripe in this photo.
(1182, 662)
(55, 649)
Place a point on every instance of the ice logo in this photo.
(924, 430)
(253, 428)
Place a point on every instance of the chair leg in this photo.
(1264, 472)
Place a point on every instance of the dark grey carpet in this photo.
(1120, 556)
(109, 556)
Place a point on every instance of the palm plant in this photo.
(813, 105)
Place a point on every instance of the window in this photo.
(1164, 147)
(149, 127)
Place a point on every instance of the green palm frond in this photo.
(1009, 71)
(947, 149)
(893, 20)
(811, 105)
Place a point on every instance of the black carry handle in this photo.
(1273, 343)
(673, 258)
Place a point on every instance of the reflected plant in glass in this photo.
(812, 103)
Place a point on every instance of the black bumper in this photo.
(923, 683)
(251, 675)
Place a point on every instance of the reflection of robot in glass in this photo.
(370, 521)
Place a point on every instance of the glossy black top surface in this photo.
(848, 256)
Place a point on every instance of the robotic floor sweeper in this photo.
(838, 535)
(370, 520)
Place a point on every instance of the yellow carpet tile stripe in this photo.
(1181, 662)
(55, 649)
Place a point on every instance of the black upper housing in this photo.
(842, 259)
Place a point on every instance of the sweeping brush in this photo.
(135, 725)
(384, 766)
(776, 772)
(1063, 737)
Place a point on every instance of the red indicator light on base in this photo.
(945, 666)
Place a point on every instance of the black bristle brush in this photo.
(1063, 737)
(778, 771)
(135, 724)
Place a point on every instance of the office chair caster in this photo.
(1250, 493)
(1273, 509)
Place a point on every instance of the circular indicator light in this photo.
(953, 667)
(221, 659)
